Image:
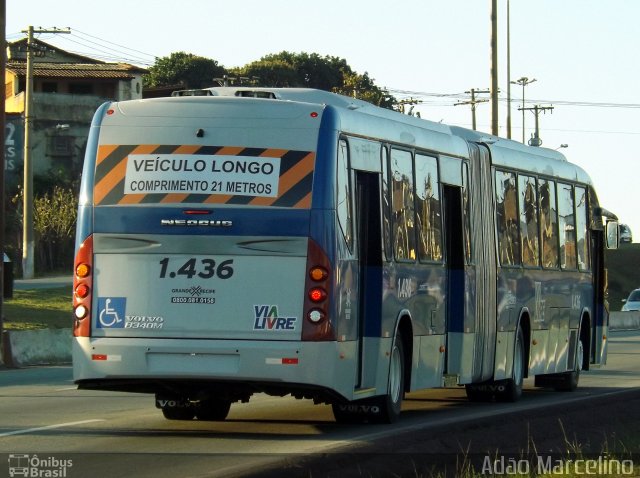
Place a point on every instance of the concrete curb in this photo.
(36, 347)
(624, 320)
(53, 346)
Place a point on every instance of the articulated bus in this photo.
(294, 241)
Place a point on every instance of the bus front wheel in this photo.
(391, 403)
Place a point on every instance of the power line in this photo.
(594, 104)
(104, 51)
(116, 44)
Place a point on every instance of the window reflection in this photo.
(581, 228)
(567, 227)
(343, 204)
(529, 220)
(548, 223)
(428, 209)
(404, 239)
(507, 218)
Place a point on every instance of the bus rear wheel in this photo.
(568, 381)
(513, 386)
(391, 403)
(385, 408)
(213, 410)
(178, 413)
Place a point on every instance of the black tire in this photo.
(513, 386)
(213, 410)
(391, 403)
(382, 409)
(568, 381)
(349, 413)
(475, 394)
(179, 413)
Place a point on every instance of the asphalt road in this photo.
(100, 434)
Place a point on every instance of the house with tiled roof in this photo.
(67, 88)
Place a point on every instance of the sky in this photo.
(583, 55)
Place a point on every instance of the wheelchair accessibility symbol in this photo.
(111, 312)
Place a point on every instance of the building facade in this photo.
(67, 89)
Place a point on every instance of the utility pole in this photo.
(508, 71)
(523, 81)
(537, 109)
(412, 102)
(494, 67)
(27, 213)
(473, 102)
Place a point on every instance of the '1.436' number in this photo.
(206, 269)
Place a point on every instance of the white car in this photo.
(632, 302)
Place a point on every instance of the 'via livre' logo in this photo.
(267, 318)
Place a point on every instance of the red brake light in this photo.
(82, 291)
(317, 294)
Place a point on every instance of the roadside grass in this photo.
(38, 309)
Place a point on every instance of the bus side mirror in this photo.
(612, 234)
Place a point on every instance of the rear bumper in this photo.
(144, 365)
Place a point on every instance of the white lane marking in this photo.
(59, 425)
(65, 389)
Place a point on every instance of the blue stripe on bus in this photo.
(249, 221)
(373, 302)
(324, 187)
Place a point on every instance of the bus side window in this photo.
(581, 228)
(529, 220)
(466, 207)
(343, 199)
(567, 223)
(507, 218)
(386, 207)
(402, 203)
(548, 223)
(428, 209)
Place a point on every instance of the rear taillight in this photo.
(82, 285)
(317, 324)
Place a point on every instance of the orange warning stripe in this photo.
(288, 180)
(304, 203)
(105, 151)
(117, 174)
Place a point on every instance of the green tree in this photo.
(274, 73)
(304, 70)
(363, 87)
(185, 69)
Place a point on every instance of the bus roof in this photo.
(353, 116)
(388, 124)
(515, 155)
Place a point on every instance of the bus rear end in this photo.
(199, 275)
